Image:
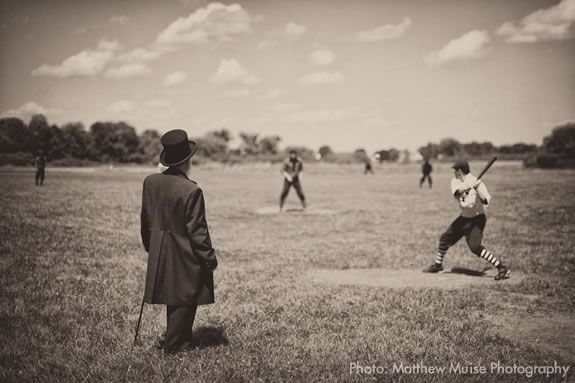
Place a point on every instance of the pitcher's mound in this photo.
(456, 278)
(291, 210)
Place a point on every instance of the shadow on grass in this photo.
(205, 337)
(469, 272)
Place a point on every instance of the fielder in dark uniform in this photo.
(40, 164)
(368, 167)
(426, 169)
(175, 233)
(291, 171)
(473, 198)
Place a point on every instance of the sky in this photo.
(370, 74)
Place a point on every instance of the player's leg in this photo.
(430, 181)
(284, 193)
(449, 238)
(42, 177)
(421, 180)
(299, 191)
(474, 239)
(37, 176)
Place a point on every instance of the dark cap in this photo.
(177, 148)
(462, 165)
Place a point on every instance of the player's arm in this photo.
(197, 229)
(483, 193)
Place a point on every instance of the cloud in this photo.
(214, 23)
(272, 94)
(324, 115)
(174, 78)
(288, 33)
(27, 110)
(285, 107)
(237, 93)
(384, 32)
(322, 57)
(231, 71)
(143, 54)
(471, 45)
(121, 20)
(553, 23)
(128, 70)
(321, 77)
(88, 63)
(122, 106)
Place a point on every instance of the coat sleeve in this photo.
(144, 224)
(483, 194)
(197, 229)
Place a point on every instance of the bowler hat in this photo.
(177, 148)
(463, 165)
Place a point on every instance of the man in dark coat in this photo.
(291, 171)
(40, 163)
(175, 233)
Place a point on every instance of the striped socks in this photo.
(488, 256)
(439, 258)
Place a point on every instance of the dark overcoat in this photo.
(175, 234)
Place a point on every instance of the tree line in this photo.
(119, 142)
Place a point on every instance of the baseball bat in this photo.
(486, 168)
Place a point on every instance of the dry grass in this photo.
(72, 271)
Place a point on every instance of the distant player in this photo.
(368, 168)
(473, 197)
(426, 169)
(40, 164)
(291, 171)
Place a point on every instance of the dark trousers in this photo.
(297, 186)
(179, 332)
(471, 228)
(422, 180)
(39, 176)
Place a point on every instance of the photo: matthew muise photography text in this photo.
(287, 191)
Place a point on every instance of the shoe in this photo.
(503, 273)
(435, 268)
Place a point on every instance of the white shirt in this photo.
(470, 205)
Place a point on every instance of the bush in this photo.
(543, 160)
(18, 159)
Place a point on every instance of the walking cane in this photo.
(139, 320)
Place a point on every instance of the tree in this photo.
(269, 144)
(390, 155)
(561, 142)
(429, 151)
(150, 146)
(249, 143)
(40, 133)
(325, 151)
(450, 147)
(113, 141)
(14, 135)
(360, 155)
(76, 139)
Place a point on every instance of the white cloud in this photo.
(321, 77)
(231, 71)
(322, 57)
(384, 32)
(122, 106)
(121, 20)
(553, 23)
(292, 31)
(237, 93)
(27, 110)
(174, 78)
(109, 45)
(324, 115)
(471, 45)
(86, 63)
(214, 23)
(142, 54)
(272, 94)
(128, 70)
(285, 107)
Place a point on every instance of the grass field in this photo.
(72, 273)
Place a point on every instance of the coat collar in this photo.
(177, 172)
